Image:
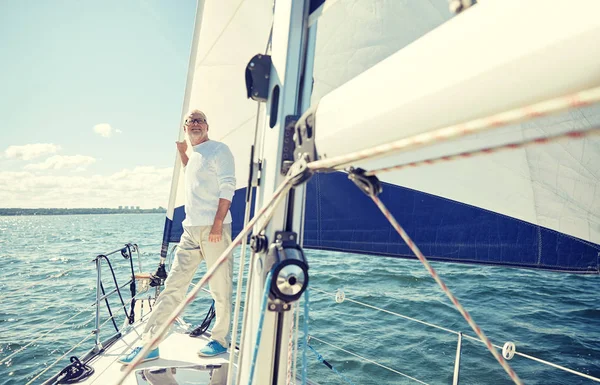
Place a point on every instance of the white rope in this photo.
(238, 294)
(290, 357)
(42, 336)
(368, 360)
(296, 341)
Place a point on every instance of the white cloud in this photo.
(147, 187)
(105, 130)
(30, 151)
(57, 162)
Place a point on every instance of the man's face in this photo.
(196, 128)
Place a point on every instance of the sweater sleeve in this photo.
(225, 167)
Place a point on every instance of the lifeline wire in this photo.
(454, 300)
(466, 336)
(324, 362)
(368, 360)
(43, 335)
(63, 356)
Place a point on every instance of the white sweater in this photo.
(209, 176)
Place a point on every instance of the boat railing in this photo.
(101, 295)
(126, 252)
(508, 349)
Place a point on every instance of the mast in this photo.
(290, 39)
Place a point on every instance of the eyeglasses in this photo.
(195, 121)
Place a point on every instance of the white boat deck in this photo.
(178, 350)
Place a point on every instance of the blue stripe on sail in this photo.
(174, 233)
(238, 207)
(340, 217)
(174, 229)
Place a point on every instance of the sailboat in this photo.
(387, 128)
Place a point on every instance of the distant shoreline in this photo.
(89, 211)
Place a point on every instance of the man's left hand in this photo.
(216, 233)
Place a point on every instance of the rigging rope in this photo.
(290, 351)
(250, 280)
(210, 315)
(306, 319)
(296, 332)
(263, 310)
(324, 362)
(576, 100)
(491, 150)
(275, 200)
(475, 339)
(445, 289)
(242, 266)
(368, 360)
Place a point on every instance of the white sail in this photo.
(387, 70)
(229, 34)
(497, 56)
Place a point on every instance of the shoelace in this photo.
(135, 352)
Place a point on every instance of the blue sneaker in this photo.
(128, 359)
(212, 348)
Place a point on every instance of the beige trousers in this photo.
(192, 249)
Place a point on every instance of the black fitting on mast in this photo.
(259, 243)
(370, 185)
(304, 136)
(258, 73)
(290, 268)
(299, 146)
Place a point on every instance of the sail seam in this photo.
(222, 32)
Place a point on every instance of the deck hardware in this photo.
(304, 136)
(259, 243)
(258, 73)
(289, 147)
(76, 372)
(290, 268)
(508, 350)
(340, 296)
(370, 185)
(279, 306)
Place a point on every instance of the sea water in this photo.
(48, 276)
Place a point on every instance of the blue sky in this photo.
(90, 101)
